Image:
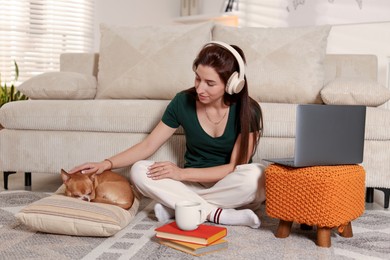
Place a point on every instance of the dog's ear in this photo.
(92, 175)
(65, 176)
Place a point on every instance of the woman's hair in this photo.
(250, 114)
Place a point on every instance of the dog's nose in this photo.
(85, 199)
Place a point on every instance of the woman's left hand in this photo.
(164, 170)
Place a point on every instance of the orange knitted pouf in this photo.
(322, 196)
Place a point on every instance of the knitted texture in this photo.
(323, 196)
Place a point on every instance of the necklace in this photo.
(215, 122)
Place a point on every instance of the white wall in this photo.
(365, 38)
(359, 26)
(133, 13)
(317, 12)
(368, 38)
(143, 12)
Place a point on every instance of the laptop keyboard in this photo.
(284, 162)
(289, 163)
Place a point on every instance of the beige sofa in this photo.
(100, 104)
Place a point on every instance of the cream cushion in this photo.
(354, 91)
(60, 85)
(148, 62)
(284, 65)
(59, 214)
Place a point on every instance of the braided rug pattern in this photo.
(323, 196)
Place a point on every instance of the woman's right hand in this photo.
(92, 167)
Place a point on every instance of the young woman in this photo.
(222, 126)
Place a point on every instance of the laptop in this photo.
(327, 135)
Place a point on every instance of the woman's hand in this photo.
(92, 167)
(165, 170)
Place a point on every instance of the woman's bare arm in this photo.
(161, 170)
(160, 134)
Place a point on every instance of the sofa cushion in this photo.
(355, 91)
(284, 65)
(153, 62)
(67, 116)
(364, 66)
(60, 85)
(60, 214)
(118, 116)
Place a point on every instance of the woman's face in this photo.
(209, 86)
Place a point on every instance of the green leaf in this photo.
(12, 93)
(8, 94)
(16, 71)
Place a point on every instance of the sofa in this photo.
(98, 104)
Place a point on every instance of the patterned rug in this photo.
(371, 239)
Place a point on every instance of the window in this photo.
(265, 13)
(33, 33)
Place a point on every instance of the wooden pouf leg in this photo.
(347, 232)
(284, 229)
(323, 236)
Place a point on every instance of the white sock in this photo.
(244, 217)
(163, 214)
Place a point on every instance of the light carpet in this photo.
(371, 239)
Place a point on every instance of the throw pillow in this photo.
(283, 64)
(148, 62)
(59, 214)
(60, 85)
(355, 91)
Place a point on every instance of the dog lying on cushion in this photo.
(107, 187)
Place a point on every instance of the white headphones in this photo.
(236, 81)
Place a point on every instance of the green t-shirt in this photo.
(202, 150)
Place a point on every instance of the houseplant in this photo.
(10, 93)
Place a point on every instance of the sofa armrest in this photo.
(364, 66)
(84, 63)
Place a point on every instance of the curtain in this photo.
(264, 13)
(33, 33)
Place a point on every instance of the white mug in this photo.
(189, 215)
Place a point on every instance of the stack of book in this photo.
(204, 239)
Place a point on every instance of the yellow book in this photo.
(195, 249)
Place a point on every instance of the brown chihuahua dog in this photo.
(107, 187)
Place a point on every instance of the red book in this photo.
(203, 235)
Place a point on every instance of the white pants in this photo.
(243, 188)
